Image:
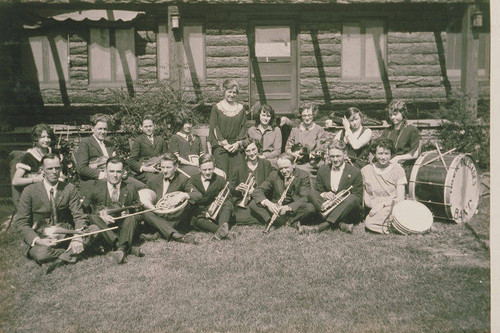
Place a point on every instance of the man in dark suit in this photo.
(92, 148)
(295, 206)
(146, 146)
(168, 181)
(51, 203)
(113, 191)
(211, 185)
(331, 180)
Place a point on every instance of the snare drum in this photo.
(410, 217)
(451, 192)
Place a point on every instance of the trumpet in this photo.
(250, 184)
(279, 203)
(329, 205)
(215, 207)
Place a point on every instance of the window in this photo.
(454, 52)
(363, 50)
(49, 54)
(194, 52)
(112, 55)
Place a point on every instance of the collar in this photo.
(404, 123)
(303, 127)
(98, 141)
(36, 153)
(185, 136)
(211, 179)
(168, 179)
(110, 186)
(341, 169)
(48, 187)
(358, 131)
(263, 130)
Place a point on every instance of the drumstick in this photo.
(441, 156)
(435, 158)
(87, 234)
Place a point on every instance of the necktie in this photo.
(151, 139)
(53, 209)
(114, 194)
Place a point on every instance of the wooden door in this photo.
(273, 61)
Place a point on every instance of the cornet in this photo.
(250, 184)
(215, 207)
(329, 205)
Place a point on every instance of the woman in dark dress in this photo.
(28, 168)
(187, 147)
(405, 137)
(228, 129)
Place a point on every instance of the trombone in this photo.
(329, 205)
(250, 184)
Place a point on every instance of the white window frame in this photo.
(362, 24)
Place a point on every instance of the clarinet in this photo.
(279, 203)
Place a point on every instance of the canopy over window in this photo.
(49, 17)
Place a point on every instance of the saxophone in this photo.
(279, 203)
(216, 205)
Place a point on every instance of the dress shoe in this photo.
(222, 232)
(136, 251)
(346, 227)
(188, 239)
(149, 237)
(48, 267)
(118, 256)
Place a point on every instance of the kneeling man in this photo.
(51, 203)
(294, 206)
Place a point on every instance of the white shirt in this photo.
(103, 147)
(110, 190)
(335, 176)
(166, 183)
(205, 182)
(355, 139)
(48, 187)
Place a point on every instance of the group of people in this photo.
(245, 177)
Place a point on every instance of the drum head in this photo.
(411, 217)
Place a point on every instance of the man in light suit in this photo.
(168, 181)
(295, 206)
(113, 191)
(331, 180)
(146, 146)
(49, 203)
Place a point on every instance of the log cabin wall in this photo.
(413, 66)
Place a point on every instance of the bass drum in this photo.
(451, 192)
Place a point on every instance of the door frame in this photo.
(294, 55)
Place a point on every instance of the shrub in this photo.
(167, 104)
(466, 132)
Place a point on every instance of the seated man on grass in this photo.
(52, 205)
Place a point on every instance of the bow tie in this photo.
(168, 179)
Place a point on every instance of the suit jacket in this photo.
(143, 149)
(89, 149)
(34, 208)
(216, 185)
(178, 183)
(350, 176)
(273, 187)
(240, 175)
(99, 195)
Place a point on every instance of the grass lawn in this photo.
(277, 282)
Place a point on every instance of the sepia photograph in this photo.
(247, 166)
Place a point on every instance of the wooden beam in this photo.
(470, 46)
